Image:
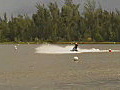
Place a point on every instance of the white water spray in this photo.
(55, 49)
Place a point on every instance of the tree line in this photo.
(51, 23)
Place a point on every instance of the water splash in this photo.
(55, 49)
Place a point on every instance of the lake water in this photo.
(24, 69)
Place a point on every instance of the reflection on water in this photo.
(23, 69)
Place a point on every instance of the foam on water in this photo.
(54, 49)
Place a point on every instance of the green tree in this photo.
(42, 20)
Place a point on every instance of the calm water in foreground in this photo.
(23, 69)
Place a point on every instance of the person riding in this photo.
(75, 47)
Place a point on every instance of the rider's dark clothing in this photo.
(76, 45)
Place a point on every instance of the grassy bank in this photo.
(59, 42)
(89, 42)
(18, 43)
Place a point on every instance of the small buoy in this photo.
(75, 58)
(110, 50)
(15, 47)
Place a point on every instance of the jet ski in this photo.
(74, 49)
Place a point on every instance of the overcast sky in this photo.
(28, 6)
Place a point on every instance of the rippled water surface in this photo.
(24, 69)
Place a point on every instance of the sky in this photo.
(15, 7)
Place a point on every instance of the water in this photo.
(30, 68)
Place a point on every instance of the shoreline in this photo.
(59, 43)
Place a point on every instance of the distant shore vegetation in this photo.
(53, 24)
